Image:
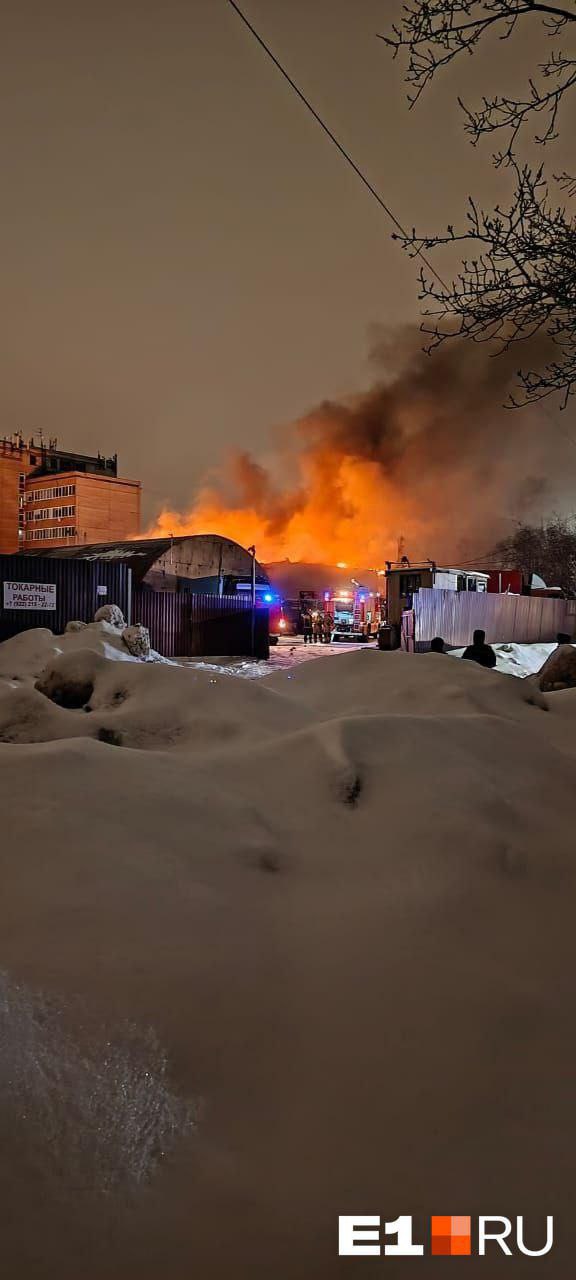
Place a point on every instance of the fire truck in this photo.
(357, 613)
(266, 597)
(284, 616)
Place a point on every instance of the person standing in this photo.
(307, 627)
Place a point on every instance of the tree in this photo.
(548, 549)
(521, 280)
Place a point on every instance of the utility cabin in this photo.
(404, 580)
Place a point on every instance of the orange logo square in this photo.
(451, 1236)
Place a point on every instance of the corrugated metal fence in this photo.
(455, 615)
(74, 595)
(183, 624)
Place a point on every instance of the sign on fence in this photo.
(29, 595)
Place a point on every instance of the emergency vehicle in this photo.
(357, 613)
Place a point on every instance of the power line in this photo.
(343, 152)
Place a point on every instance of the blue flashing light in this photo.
(268, 598)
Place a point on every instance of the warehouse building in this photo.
(204, 563)
(193, 593)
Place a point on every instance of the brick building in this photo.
(52, 498)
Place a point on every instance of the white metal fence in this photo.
(455, 615)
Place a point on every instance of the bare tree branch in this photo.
(520, 279)
(435, 32)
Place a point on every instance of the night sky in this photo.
(186, 261)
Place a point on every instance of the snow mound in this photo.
(344, 902)
(559, 670)
(112, 614)
(369, 682)
(139, 705)
(24, 656)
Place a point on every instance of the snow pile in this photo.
(137, 705)
(112, 614)
(559, 670)
(24, 657)
(343, 898)
(137, 640)
(522, 659)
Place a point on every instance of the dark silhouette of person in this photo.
(437, 645)
(563, 638)
(307, 627)
(479, 651)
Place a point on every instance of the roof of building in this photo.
(470, 573)
(414, 567)
(140, 553)
(144, 551)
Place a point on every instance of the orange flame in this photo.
(352, 518)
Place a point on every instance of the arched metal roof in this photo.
(143, 554)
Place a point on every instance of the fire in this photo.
(348, 508)
(416, 461)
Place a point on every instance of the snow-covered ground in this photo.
(277, 950)
(512, 659)
(288, 653)
(518, 659)
(30, 652)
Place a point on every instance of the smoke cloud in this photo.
(429, 454)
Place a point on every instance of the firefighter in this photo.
(307, 627)
(327, 628)
(318, 625)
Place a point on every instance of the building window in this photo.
(410, 582)
(52, 535)
(51, 513)
(21, 501)
(56, 491)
